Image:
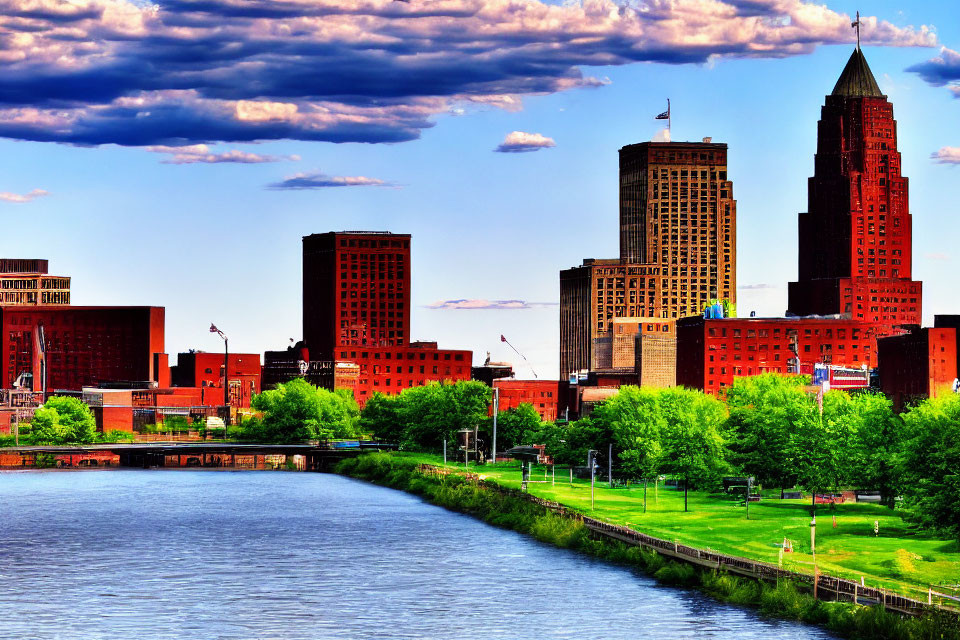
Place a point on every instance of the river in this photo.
(220, 554)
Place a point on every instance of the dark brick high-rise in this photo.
(855, 239)
(356, 312)
(356, 290)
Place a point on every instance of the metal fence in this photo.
(825, 587)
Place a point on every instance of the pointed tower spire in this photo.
(857, 80)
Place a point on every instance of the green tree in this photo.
(63, 420)
(593, 432)
(513, 425)
(844, 416)
(930, 465)
(881, 440)
(434, 413)
(636, 421)
(819, 445)
(383, 417)
(863, 438)
(554, 438)
(296, 411)
(693, 442)
(765, 413)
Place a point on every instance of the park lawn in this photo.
(897, 558)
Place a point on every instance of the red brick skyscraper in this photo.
(356, 290)
(356, 315)
(855, 240)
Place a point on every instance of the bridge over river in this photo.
(304, 457)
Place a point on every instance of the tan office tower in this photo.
(677, 211)
(678, 229)
(25, 282)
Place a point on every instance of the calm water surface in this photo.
(214, 554)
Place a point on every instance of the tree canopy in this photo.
(63, 420)
(930, 465)
(422, 418)
(513, 425)
(637, 423)
(297, 411)
(765, 413)
(693, 441)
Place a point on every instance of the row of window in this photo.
(381, 243)
(410, 355)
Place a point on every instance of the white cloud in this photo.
(185, 72)
(317, 180)
(192, 154)
(520, 141)
(946, 155)
(757, 287)
(20, 198)
(479, 303)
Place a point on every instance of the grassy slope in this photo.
(897, 558)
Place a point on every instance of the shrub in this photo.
(677, 573)
(63, 420)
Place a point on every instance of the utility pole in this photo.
(610, 465)
(813, 538)
(591, 460)
(496, 410)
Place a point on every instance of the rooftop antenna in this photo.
(856, 25)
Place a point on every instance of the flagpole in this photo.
(856, 25)
(504, 339)
(669, 122)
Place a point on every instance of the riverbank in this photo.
(855, 541)
(510, 509)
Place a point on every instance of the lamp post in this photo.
(226, 378)
(813, 552)
(496, 410)
(591, 460)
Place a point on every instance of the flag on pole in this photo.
(503, 338)
(663, 116)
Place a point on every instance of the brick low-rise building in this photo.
(390, 370)
(76, 347)
(917, 365)
(712, 352)
(544, 395)
(205, 370)
(133, 409)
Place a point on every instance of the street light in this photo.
(592, 462)
(496, 410)
(226, 383)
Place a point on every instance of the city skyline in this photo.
(491, 230)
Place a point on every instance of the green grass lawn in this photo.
(898, 558)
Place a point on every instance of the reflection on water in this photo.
(217, 554)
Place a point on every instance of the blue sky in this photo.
(220, 241)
